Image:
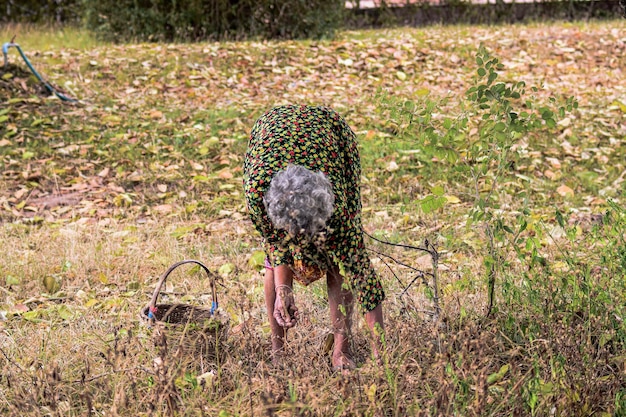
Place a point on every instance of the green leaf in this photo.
(546, 114)
(432, 203)
(11, 280)
(182, 231)
(226, 269)
(497, 376)
(437, 190)
(64, 312)
(559, 219)
(257, 260)
(499, 127)
(32, 315)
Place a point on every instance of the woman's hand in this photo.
(285, 310)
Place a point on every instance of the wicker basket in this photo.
(186, 329)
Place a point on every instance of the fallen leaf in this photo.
(163, 209)
(392, 166)
(549, 174)
(51, 284)
(226, 269)
(225, 174)
(257, 260)
(565, 191)
(556, 164)
(156, 114)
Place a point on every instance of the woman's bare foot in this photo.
(342, 358)
(342, 362)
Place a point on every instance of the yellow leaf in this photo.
(371, 393)
(51, 284)
(103, 278)
(92, 302)
(619, 105)
(401, 75)
(328, 343)
(453, 199)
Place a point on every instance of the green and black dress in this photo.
(318, 139)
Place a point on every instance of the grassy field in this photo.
(98, 198)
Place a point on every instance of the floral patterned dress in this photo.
(319, 139)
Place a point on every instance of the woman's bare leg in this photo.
(281, 275)
(277, 332)
(374, 321)
(341, 323)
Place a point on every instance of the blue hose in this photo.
(5, 52)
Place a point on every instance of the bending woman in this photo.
(301, 180)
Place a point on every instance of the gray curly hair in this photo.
(299, 201)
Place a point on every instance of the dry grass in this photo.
(87, 352)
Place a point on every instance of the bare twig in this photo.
(400, 245)
(11, 361)
(413, 281)
(380, 256)
(104, 374)
(400, 263)
(435, 259)
(432, 251)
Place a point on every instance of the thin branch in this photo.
(380, 256)
(102, 375)
(400, 262)
(435, 260)
(400, 245)
(11, 361)
(422, 276)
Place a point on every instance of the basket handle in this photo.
(157, 290)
